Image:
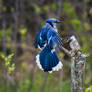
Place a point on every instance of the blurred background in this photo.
(20, 21)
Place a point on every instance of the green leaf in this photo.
(7, 63)
(67, 8)
(37, 8)
(87, 26)
(75, 22)
(45, 8)
(12, 9)
(23, 66)
(23, 31)
(54, 7)
(11, 68)
(4, 8)
(2, 55)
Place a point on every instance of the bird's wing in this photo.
(40, 39)
(54, 40)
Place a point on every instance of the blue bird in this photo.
(47, 41)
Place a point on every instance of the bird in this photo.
(47, 40)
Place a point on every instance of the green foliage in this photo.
(23, 66)
(69, 10)
(85, 44)
(4, 8)
(77, 25)
(45, 8)
(84, 15)
(72, 17)
(89, 89)
(75, 22)
(7, 34)
(23, 31)
(43, 23)
(87, 26)
(8, 62)
(0, 2)
(37, 8)
(85, 1)
(23, 87)
(66, 86)
(54, 7)
(12, 9)
(0, 33)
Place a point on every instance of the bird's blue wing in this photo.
(41, 38)
(54, 40)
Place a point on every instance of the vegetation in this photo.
(20, 21)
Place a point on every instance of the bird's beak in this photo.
(58, 21)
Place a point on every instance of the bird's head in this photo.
(53, 22)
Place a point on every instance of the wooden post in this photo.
(77, 72)
(77, 65)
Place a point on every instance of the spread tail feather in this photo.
(48, 60)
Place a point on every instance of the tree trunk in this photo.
(77, 65)
(77, 73)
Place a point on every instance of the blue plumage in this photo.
(41, 38)
(48, 59)
(47, 40)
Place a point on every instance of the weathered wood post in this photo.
(77, 65)
(77, 72)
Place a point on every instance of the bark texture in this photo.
(77, 72)
(77, 65)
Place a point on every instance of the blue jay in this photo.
(47, 40)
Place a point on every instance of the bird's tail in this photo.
(48, 61)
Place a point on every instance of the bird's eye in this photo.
(50, 24)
